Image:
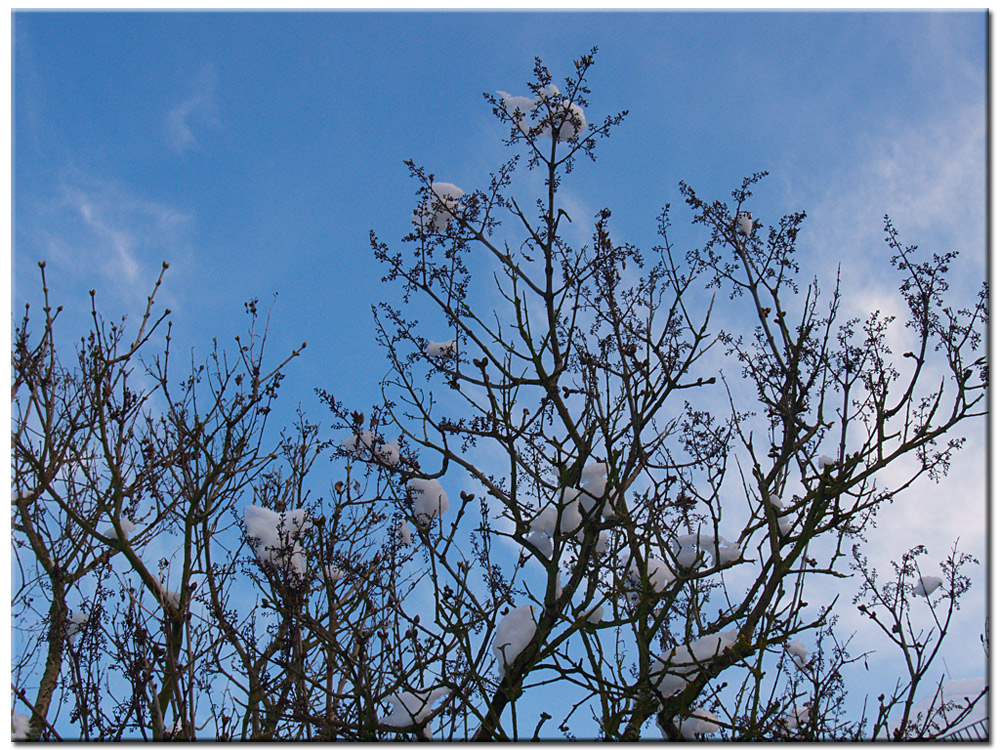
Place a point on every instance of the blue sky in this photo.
(254, 152)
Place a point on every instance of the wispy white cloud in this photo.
(121, 260)
(109, 237)
(931, 180)
(196, 113)
(929, 176)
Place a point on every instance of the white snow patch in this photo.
(441, 348)
(571, 517)
(687, 546)
(573, 121)
(388, 453)
(409, 708)
(514, 633)
(680, 664)
(429, 499)
(20, 724)
(601, 545)
(728, 551)
(565, 513)
(797, 716)
(75, 624)
(540, 541)
(927, 585)
(700, 722)
(658, 574)
(593, 483)
(127, 528)
(545, 521)
(798, 652)
(441, 207)
(405, 535)
(519, 108)
(334, 573)
(362, 441)
(568, 115)
(277, 536)
(686, 555)
(366, 440)
(173, 598)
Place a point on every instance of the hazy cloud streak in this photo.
(198, 112)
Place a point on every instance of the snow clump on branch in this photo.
(686, 551)
(429, 499)
(404, 534)
(546, 520)
(518, 107)
(700, 722)
(567, 512)
(593, 484)
(601, 546)
(689, 544)
(514, 633)
(77, 621)
(570, 517)
(334, 573)
(127, 528)
(440, 208)
(680, 665)
(927, 585)
(441, 348)
(798, 652)
(744, 223)
(785, 523)
(173, 598)
(388, 453)
(540, 541)
(797, 716)
(362, 441)
(658, 575)
(277, 536)
(411, 708)
(20, 724)
(568, 115)
(366, 440)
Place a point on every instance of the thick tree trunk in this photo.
(58, 614)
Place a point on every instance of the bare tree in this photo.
(605, 446)
(589, 508)
(110, 457)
